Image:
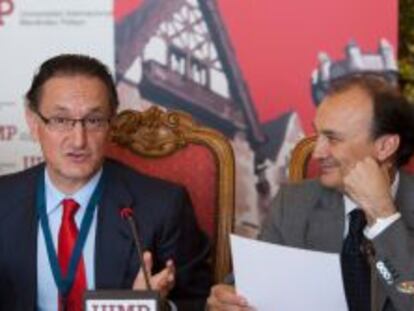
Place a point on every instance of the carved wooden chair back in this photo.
(170, 145)
(301, 165)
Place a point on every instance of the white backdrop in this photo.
(31, 33)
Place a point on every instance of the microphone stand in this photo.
(128, 215)
(147, 299)
(138, 245)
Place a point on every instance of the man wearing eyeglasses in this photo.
(60, 225)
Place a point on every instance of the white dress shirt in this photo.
(47, 293)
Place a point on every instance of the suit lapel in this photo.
(21, 227)
(326, 223)
(31, 249)
(113, 242)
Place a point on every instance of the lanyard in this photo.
(65, 284)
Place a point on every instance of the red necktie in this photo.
(68, 233)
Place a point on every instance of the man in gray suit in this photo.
(365, 134)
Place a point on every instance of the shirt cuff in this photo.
(380, 225)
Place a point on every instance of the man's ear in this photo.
(32, 122)
(386, 146)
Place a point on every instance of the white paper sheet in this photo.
(273, 277)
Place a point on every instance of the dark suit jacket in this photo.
(165, 219)
(308, 215)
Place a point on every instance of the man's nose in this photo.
(321, 148)
(79, 134)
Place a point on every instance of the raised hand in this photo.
(369, 185)
(162, 281)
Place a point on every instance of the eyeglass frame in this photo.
(70, 126)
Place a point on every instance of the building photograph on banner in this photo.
(254, 71)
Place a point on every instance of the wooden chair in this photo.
(301, 165)
(170, 145)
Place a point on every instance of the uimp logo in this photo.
(6, 8)
(31, 160)
(7, 132)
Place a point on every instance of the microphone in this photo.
(127, 299)
(127, 213)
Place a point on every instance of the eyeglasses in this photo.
(62, 124)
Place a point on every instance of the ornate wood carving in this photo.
(156, 133)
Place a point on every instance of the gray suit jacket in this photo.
(310, 216)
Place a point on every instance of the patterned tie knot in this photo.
(357, 221)
(70, 207)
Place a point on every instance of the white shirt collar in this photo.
(54, 196)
